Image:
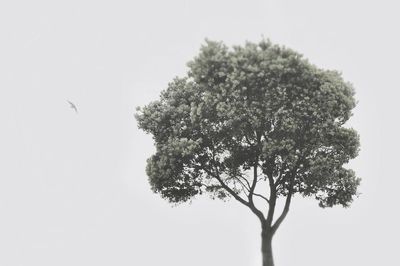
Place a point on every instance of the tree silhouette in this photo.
(257, 123)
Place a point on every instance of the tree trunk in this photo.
(266, 248)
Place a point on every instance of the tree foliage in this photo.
(257, 117)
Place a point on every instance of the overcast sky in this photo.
(73, 189)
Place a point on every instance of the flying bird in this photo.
(73, 106)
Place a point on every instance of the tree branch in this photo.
(280, 178)
(249, 203)
(261, 196)
(272, 200)
(286, 208)
(253, 184)
(244, 187)
(256, 211)
(247, 182)
(288, 198)
(226, 187)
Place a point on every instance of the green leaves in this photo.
(254, 105)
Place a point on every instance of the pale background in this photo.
(73, 190)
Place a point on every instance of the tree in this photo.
(257, 123)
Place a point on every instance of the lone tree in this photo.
(257, 123)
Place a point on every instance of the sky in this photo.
(73, 188)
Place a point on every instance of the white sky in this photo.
(73, 190)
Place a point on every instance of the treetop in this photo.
(261, 107)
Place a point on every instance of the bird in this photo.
(73, 106)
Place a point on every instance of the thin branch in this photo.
(227, 188)
(243, 185)
(247, 182)
(261, 196)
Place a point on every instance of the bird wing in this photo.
(73, 106)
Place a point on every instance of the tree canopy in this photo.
(253, 121)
